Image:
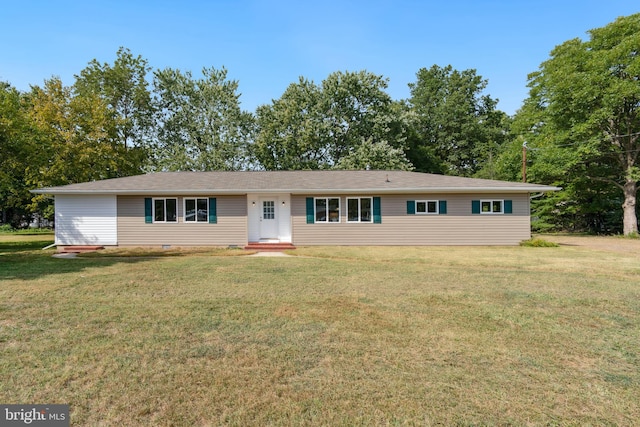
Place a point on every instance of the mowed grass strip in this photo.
(332, 336)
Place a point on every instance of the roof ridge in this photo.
(291, 181)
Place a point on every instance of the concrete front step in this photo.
(268, 246)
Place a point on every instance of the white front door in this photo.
(268, 219)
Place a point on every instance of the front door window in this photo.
(268, 209)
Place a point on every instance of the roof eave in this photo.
(439, 190)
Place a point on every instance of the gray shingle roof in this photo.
(295, 182)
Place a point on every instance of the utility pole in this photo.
(524, 161)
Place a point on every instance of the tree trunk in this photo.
(630, 220)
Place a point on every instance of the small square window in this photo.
(492, 206)
(427, 207)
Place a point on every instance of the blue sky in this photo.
(266, 46)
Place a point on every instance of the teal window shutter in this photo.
(411, 207)
(148, 210)
(213, 210)
(508, 206)
(442, 207)
(475, 207)
(310, 214)
(377, 215)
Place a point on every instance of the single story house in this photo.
(294, 207)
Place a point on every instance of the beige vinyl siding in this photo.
(458, 227)
(231, 228)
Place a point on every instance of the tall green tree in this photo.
(584, 106)
(72, 134)
(201, 126)
(369, 155)
(357, 108)
(123, 86)
(455, 120)
(16, 148)
(291, 130)
(314, 126)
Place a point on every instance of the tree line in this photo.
(580, 124)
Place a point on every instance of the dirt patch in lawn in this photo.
(603, 243)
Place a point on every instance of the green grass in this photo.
(7, 230)
(332, 336)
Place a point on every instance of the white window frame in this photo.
(426, 207)
(326, 220)
(184, 204)
(164, 200)
(359, 199)
(491, 206)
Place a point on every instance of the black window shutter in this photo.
(213, 210)
(508, 206)
(411, 207)
(377, 211)
(310, 213)
(442, 207)
(148, 210)
(475, 207)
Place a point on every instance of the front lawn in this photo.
(331, 336)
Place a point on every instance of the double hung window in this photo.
(196, 210)
(359, 209)
(165, 210)
(327, 209)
